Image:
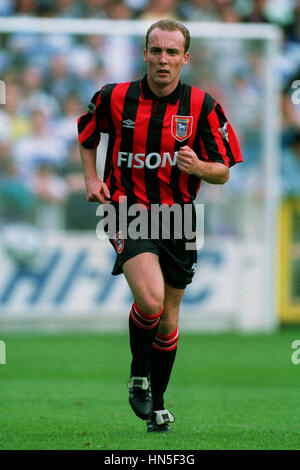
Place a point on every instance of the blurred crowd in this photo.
(51, 78)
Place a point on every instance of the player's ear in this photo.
(145, 55)
(186, 58)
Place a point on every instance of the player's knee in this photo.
(168, 321)
(151, 305)
(167, 326)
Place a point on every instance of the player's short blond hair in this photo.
(171, 25)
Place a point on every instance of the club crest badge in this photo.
(119, 242)
(181, 127)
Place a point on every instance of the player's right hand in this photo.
(97, 190)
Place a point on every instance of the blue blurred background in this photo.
(50, 79)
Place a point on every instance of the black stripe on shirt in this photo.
(129, 112)
(84, 121)
(206, 133)
(112, 135)
(153, 144)
(207, 107)
(222, 120)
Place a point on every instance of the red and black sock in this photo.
(162, 359)
(142, 330)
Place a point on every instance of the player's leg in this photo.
(144, 276)
(145, 279)
(163, 354)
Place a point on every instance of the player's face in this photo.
(165, 57)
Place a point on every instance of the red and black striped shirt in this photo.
(145, 134)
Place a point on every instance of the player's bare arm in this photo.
(211, 172)
(96, 189)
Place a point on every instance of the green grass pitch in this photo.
(227, 391)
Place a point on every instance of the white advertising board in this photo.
(70, 285)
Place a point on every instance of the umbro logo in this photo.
(128, 123)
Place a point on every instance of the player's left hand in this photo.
(187, 160)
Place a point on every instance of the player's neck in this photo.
(162, 90)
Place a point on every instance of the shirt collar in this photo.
(149, 95)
